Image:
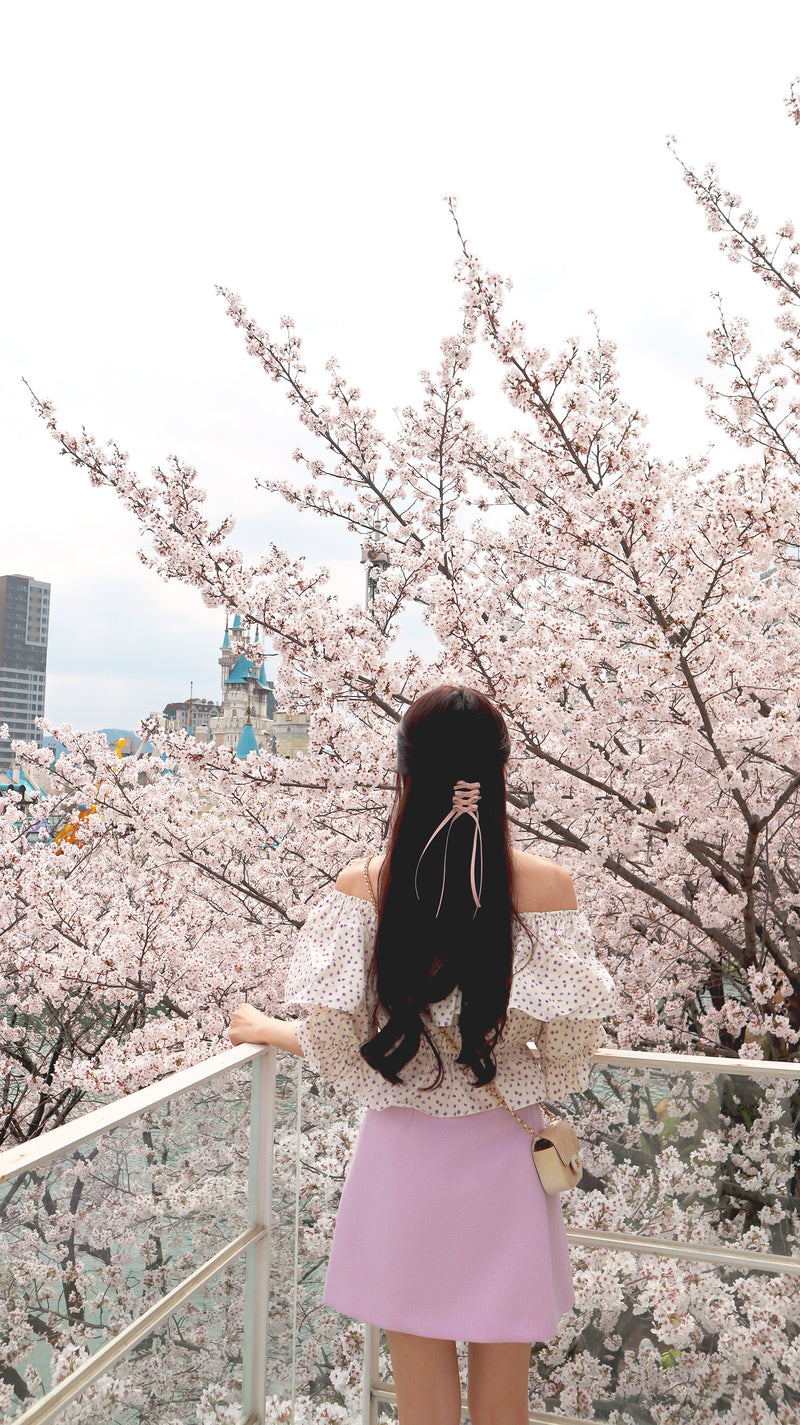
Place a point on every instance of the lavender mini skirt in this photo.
(445, 1230)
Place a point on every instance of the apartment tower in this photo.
(24, 619)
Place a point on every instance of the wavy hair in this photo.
(447, 734)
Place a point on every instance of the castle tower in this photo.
(248, 718)
(227, 656)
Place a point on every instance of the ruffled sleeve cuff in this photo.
(326, 983)
(560, 994)
(565, 1047)
(330, 1040)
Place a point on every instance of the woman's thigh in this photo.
(498, 1382)
(425, 1371)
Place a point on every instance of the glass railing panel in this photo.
(682, 1155)
(313, 1353)
(94, 1240)
(187, 1372)
(670, 1341)
(91, 1241)
(657, 1339)
(695, 1156)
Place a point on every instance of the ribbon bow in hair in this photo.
(466, 796)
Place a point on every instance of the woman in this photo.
(424, 975)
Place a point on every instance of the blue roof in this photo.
(247, 741)
(226, 643)
(241, 670)
(24, 783)
(237, 622)
(262, 676)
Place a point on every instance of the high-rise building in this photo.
(24, 620)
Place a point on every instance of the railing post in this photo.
(370, 1378)
(257, 1257)
(298, 1143)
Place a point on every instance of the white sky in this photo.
(299, 154)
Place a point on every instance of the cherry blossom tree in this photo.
(636, 620)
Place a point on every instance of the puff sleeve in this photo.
(560, 994)
(326, 980)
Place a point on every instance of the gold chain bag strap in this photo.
(556, 1151)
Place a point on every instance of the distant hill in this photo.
(112, 733)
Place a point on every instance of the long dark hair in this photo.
(446, 735)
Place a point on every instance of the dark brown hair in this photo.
(447, 734)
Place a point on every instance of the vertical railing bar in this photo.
(375, 1372)
(371, 1375)
(296, 1267)
(257, 1259)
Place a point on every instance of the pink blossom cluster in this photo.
(637, 621)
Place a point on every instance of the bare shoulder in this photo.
(540, 884)
(351, 879)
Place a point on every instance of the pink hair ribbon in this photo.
(466, 796)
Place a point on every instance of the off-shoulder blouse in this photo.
(560, 992)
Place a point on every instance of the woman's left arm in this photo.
(250, 1026)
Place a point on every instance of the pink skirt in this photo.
(445, 1230)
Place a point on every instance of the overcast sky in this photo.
(298, 154)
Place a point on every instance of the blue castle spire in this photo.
(241, 670)
(247, 741)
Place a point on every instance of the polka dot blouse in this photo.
(560, 992)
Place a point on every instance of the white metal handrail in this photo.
(696, 1063)
(56, 1142)
(255, 1240)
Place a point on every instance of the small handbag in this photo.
(555, 1152)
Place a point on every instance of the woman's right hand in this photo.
(249, 1026)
